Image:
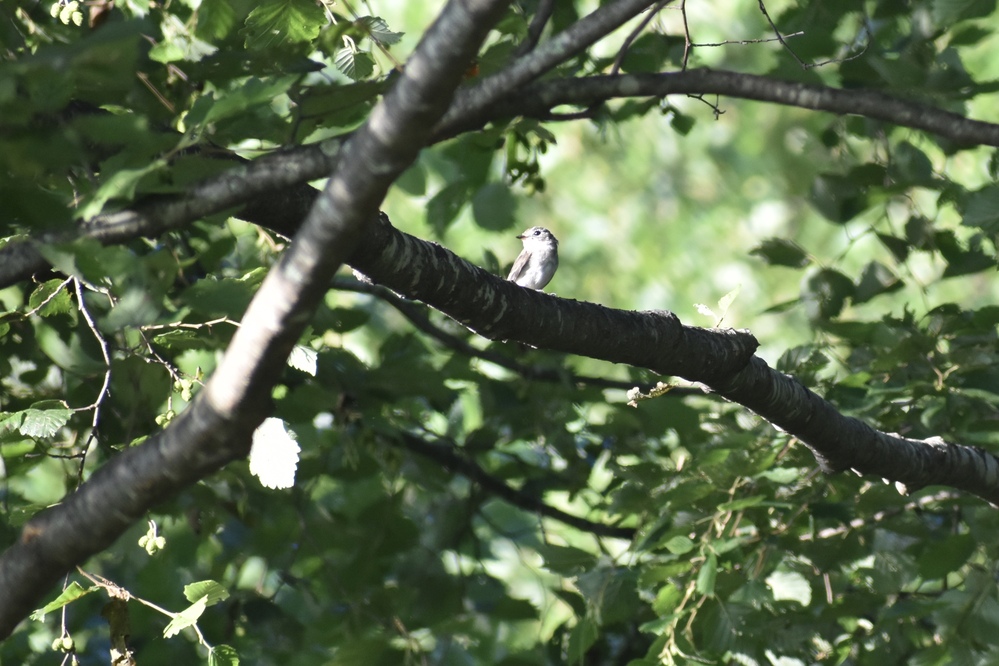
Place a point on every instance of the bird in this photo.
(538, 261)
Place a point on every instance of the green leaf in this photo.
(513, 610)
(10, 422)
(275, 22)
(378, 30)
(824, 293)
(54, 294)
(875, 280)
(565, 559)
(919, 232)
(790, 586)
(581, 638)
(838, 198)
(968, 34)
(355, 64)
(303, 358)
(679, 545)
(897, 246)
(212, 592)
(223, 655)
(166, 52)
(910, 166)
(681, 122)
(340, 105)
(72, 592)
(342, 320)
(961, 261)
(781, 475)
(494, 207)
(940, 557)
(186, 618)
(67, 355)
(707, 576)
(44, 419)
(216, 19)
(667, 599)
(981, 209)
(88, 259)
(120, 185)
(781, 252)
(648, 53)
(413, 180)
(220, 105)
(135, 308)
(374, 650)
(214, 298)
(444, 206)
(947, 12)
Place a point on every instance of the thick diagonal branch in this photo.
(538, 99)
(276, 195)
(216, 428)
(721, 360)
(500, 310)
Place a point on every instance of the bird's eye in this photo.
(537, 232)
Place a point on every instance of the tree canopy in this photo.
(267, 398)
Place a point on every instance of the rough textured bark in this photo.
(216, 429)
(659, 342)
(217, 426)
(272, 190)
(537, 100)
(501, 310)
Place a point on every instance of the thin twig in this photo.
(449, 456)
(377, 42)
(780, 38)
(537, 26)
(180, 324)
(48, 298)
(804, 65)
(119, 592)
(629, 40)
(688, 43)
(743, 42)
(880, 516)
(96, 406)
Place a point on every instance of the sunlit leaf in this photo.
(209, 589)
(355, 64)
(378, 29)
(185, 618)
(72, 592)
(275, 22)
(790, 586)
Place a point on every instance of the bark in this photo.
(218, 425)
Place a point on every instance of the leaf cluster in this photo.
(428, 521)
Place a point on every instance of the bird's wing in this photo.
(519, 267)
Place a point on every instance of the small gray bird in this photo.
(538, 261)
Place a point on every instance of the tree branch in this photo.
(537, 26)
(276, 196)
(501, 310)
(476, 100)
(218, 425)
(537, 99)
(416, 314)
(210, 433)
(449, 458)
(659, 342)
